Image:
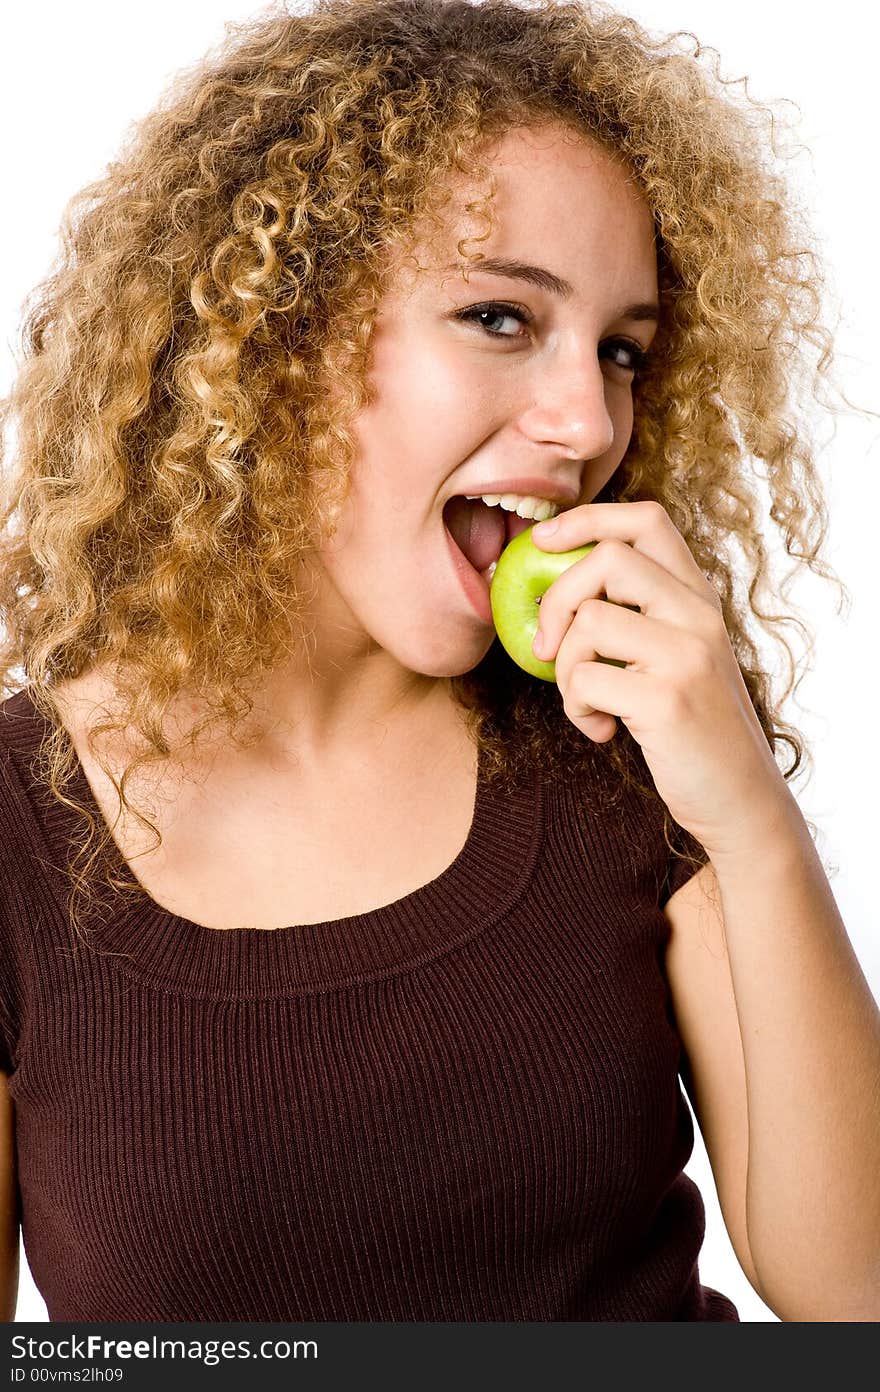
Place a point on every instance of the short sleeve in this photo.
(678, 870)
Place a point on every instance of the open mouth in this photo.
(481, 532)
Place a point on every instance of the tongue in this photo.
(479, 532)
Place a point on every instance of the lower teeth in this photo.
(488, 573)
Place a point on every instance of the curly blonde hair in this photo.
(193, 364)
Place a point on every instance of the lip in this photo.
(474, 586)
(527, 486)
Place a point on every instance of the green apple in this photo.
(521, 576)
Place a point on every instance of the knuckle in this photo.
(612, 548)
(590, 609)
(655, 512)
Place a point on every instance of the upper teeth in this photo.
(523, 506)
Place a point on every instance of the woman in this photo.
(386, 1022)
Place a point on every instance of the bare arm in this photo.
(810, 1033)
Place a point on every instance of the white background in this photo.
(76, 75)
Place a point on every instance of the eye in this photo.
(494, 311)
(637, 356)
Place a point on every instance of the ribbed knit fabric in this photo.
(464, 1105)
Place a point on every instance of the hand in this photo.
(681, 693)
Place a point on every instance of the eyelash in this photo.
(638, 355)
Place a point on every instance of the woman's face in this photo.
(543, 406)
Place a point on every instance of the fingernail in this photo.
(547, 528)
(538, 643)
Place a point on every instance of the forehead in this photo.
(562, 201)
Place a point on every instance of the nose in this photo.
(570, 412)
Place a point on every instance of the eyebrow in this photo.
(552, 283)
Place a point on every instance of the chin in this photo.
(444, 671)
(447, 664)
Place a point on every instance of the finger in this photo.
(600, 629)
(595, 689)
(576, 649)
(625, 577)
(645, 526)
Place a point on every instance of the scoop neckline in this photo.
(160, 948)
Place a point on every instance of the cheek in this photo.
(423, 380)
(620, 408)
(595, 478)
(599, 471)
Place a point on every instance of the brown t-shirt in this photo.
(462, 1106)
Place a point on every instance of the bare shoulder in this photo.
(9, 1217)
(713, 1070)
(92, 698)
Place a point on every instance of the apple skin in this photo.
(521, 576)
